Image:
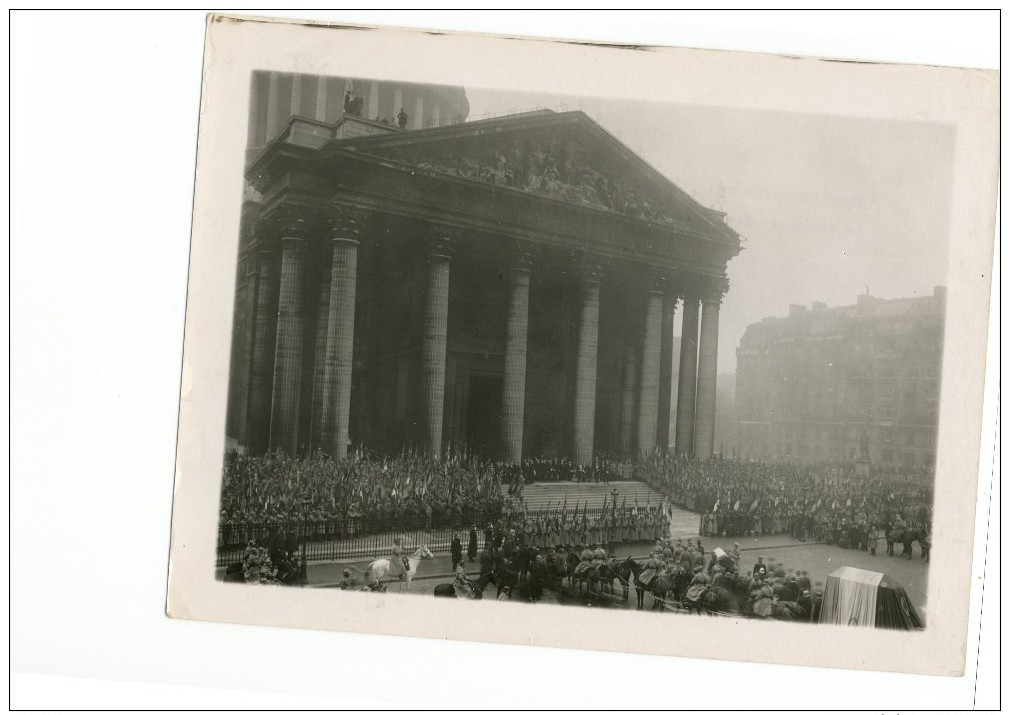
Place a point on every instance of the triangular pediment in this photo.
(567, 157)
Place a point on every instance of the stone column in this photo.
(436, 319)
(273, 106)
(417, 121)
(628, 411)
(666, 370)
(290, 341)
(319, 359)
(262, 367)
(708, 365)
(321, 83)
(648, 392)
(686, 383)
(373, 100)
(257, 124)
(296, 95)
(345, 231)
(514, 382)
(585, 369)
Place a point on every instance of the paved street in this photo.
(818, 560)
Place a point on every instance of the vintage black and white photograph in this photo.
(659, 359)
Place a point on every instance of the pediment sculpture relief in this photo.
(558, 168)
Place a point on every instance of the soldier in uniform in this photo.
(398, 563)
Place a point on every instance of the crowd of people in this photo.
(561, 469)
(827, 502)
(361, 494)
(365, 494)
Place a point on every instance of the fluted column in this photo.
(686, 382)
(321, 83)
(319, 360)
(585, 369)
(273, 106)
(666, 370)
(514, 382)
(628, 411)
(262, 367)
(296, 95)
(436, 319)
(708, 365)
(373, 100)
(290, 340)
(345, 231)
(648, 392)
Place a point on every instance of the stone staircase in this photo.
(541, 494)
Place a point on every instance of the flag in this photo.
(754, 505)
(736, 507)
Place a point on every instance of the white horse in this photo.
(379, 568)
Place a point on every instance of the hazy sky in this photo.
(828, 205)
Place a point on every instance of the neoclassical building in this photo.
(507, 284)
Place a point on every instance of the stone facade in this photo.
(391, 295)
(837, 383)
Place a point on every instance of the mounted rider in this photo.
(399, 565)
(461, 584)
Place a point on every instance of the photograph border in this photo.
(236, 46)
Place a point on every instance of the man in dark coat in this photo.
(471, 547)
(456, 551)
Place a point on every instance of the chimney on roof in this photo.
(819, 305)
(795, 310)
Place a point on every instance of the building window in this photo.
(888, 434)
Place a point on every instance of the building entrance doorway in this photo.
(483, 415)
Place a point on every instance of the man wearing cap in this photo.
(760, 567)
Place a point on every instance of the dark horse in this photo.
(671, 581)
(906, 537)
(725, 595)
(623, 571)
(447, 590)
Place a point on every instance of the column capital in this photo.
(288, 221)
(713, 289)
(657, 281)
(346, 223)
(590, 271)
(441, 240)
(521, 256)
